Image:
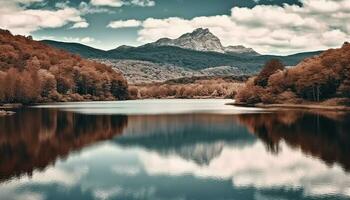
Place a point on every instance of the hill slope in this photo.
(186, 58)
(76, 48)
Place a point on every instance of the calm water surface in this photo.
(173, 149)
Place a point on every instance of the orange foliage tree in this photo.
(315, 79)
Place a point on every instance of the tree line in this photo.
(186, 89)
(31, 72)
(320, 79)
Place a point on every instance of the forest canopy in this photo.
(31, 72)
(319, 79)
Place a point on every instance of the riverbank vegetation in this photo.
(187, 88)
(323, 80)
(32, 72)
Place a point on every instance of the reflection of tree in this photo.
(36, 138)
(322, 136)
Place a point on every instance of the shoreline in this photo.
(294, 106)
(10, 106)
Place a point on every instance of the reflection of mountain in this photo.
(34, 139)
(322, 136)
(201, 153)
(197, 137)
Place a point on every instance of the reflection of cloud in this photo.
(259, 196)
(52, 175)
(140, 193)
(26, 196)
(253, 166)
(56, 175)
(106, 193)
(126, 170)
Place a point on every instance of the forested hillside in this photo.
(180, 57)
(324, 78)
(31, 71)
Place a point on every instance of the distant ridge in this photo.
(176, 56)
(77, 48)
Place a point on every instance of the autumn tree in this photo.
(31, 71)
(269, 68)
(317, 79)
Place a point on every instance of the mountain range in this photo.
(194, 51)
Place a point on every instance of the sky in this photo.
(269, 26)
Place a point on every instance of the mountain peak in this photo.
(201, 31)
(240, 49)
(201, 34)
(201, 39)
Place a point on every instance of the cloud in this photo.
(63, 4)
(317, 24)
(24, 21)
(84, 40)
(143, 3)
(82, 24)
(111, 3)
(120, 3)
(124, 24)
(86, 8)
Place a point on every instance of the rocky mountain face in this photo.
(203, 40)
(199, 40)
(239, 49)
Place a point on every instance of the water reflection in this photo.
(53, 154)
(35, 138)
(196, 137)
(323, 135)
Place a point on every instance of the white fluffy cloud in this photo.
(82, 24)
(124, 24)
(111, 3)
(24, 21)
(317, 24)
(120, 3)
(84, 40)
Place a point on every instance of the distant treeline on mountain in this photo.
(32, 71)
(182, 57)
(324, 78)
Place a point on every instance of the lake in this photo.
(173, 149)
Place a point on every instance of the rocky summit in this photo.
(202, 40)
